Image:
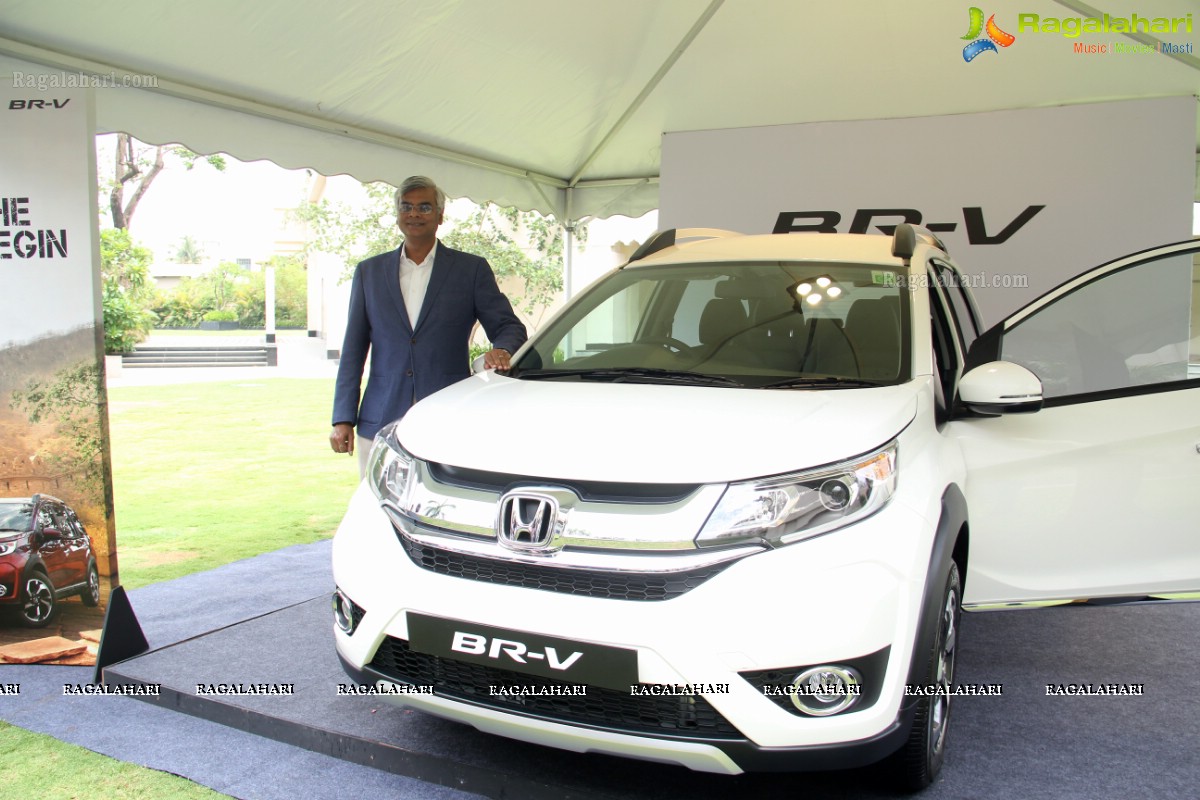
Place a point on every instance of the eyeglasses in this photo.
(422, 208)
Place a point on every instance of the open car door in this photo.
(1097, 494)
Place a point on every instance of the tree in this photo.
(291, 294)
(127, 290)
(489, 231)
(70, 400)
(239, 292)
(189, 251)
(219, 285)
(136, 166)
(351, 232)
(182, 307)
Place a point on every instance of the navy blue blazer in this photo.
(408, 364)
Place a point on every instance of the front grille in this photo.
(565, 580)
(594, 491)
(682, 715)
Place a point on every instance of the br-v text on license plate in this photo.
(529, 653)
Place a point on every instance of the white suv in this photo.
(725, 508)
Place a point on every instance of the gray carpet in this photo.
(275, 608)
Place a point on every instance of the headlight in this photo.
(7, 548)
(787, 508)
(389, 467)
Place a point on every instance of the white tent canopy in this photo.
(555, 105)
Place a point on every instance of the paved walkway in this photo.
(300, 356)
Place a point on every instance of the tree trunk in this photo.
(127, 170)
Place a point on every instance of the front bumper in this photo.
(829, 600)
(727, 756)
(9, 582)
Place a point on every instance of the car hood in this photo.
(641, 433)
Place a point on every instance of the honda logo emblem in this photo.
(529, 522)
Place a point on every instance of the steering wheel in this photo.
(670, 343)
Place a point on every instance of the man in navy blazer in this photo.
(446, 291)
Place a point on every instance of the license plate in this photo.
(528, 653)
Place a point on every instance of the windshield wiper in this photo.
(823, 382)
(548, 373)
(633, 375)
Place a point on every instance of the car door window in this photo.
(74, 523)
(60, 522)
(1132, 327)
(612, 323)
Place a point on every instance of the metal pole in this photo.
(269, 316)
(568, 244)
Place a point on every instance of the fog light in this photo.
(345, 613)
(3, 590)
(823, 691)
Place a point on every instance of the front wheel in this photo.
(920, 759)
(38, 603)
(91, 593)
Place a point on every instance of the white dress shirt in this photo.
(414, 280)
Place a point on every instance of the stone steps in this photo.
(231, 356)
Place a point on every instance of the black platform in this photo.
(1022, 744)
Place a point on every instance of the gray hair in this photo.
(420, 182)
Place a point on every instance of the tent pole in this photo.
(569, 244)
(657, 78)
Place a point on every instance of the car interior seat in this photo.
(828, 350)
(873, 328)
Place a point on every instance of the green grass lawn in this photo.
(33, 765)
(209, 473)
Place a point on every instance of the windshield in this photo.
(16, 516)
(763, 325)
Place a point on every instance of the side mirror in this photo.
(1000, 387)
(477, 365)
(51, 533)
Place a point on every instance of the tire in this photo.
(918, 762)
(90, 595)
(38, 603)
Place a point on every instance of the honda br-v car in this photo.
(732, 499)
(45, 556)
